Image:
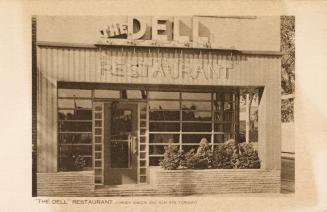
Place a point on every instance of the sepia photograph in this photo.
(162, 105)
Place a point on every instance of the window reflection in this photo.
(74, 115)
(156, 149)
(196, 127)
(192, 105)
(196, 116)
(164, 105)
(122, 120)
(154, 161)
(119, 152)
(75, 138)
(218, 116)
(164, 127)
(164, 115)
(217, 106)
(195, 138)
(228, 116)
(219, 138)
(190, 147)
(219, 128)
(228, 106)
(67, 126)
(164, 138)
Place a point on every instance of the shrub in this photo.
(173, 158)
(248, 157)
(202, 159)
(226, 155)
(79, 162)
(190, 159)
(74, 162)
(230, 155)
(287, 110)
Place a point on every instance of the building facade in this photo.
(112, 92)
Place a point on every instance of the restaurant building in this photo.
(112, 92)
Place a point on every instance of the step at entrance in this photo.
(125, 190)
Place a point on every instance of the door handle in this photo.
(134, 144)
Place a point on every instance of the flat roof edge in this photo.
(68, 45)
(95, 46)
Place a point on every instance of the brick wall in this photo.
(163, 182)
(67, 184)
(215, 181)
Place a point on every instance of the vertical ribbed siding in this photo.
(83, 65)
(276, 113)
(262, 130)
(56, 64)
(47, 112)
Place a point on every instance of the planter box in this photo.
(181, 182)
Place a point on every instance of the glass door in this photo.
(121, 143)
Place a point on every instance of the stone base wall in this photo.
(219, 181)
(69, 184)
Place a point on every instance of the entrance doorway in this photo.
(120, 143)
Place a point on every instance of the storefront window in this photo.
(186, 121)
(248, 121)
(194, 105)
(74, 129)
(164, 105)
(165, 115)
(177, 118)
(163, 138)
(196, 116)
(195, 138)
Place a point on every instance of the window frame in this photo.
(233, 133)
(212, 133)
(60, 132)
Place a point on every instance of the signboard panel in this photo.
(239, 33)
(163, 64)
